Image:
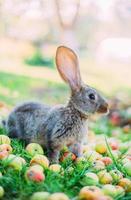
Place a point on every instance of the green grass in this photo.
(15, 89)
(17, 188)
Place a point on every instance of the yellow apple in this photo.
(55, 168)
(89, 193)
(40, 196)
(4, 139)
(104, 177)
(101, 147)
(16, 162)
(40, 160)
(126, 184)
(34, 149)
(58, 196)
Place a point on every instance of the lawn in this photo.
(75, 173)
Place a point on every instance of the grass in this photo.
(17, 188)
(14, 88)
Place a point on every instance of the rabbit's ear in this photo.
(68, 67)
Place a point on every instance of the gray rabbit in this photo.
(54, 127)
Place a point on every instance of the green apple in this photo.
(127, 167)
(1, 192)
(40, 196)
(116, 175)
(40, 160)
(55, 168)
(109, 190)
(4, 139)
(120, 192)
(92, 156)
(58, 196)
(34, 149)
(104, 177)
(89, 179)
(16, 162)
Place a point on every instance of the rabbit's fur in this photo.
(54, 127)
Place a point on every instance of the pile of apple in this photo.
(100, 181)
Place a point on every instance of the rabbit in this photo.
(55, 127)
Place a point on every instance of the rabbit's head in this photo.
(84, 98)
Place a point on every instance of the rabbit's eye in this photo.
(92, 96)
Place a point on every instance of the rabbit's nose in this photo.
(103, 108)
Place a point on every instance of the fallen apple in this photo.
(34, 174)
(1, 192)
(101, 147)
(116, 175)
(34, 149)
(126, 184)
(104, 177)
(16, 162)
(89, 179)
(4, 139)
(106, 160)
(127, 167)
(98, 165)
(120, 192)
(89, 193)
(68, 155)
(109, 190)
(58, 196)
(55, 168)
(92, 156)
(41, 160)
(40, 196)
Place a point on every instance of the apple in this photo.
(4, 139)
(101, 147)
(123, 147)
(90, 193)
(104, 177)
(92, 156)
(127, 167)
(126, 184)
(55, 168)
(1, 192)
(116, 154)
(16, 162)
(40, 196)
(67, 155)
(113, 144)
(34, 174)
(40, 160)
(33, 149)
(103, 197)
(5, 150)
(98, 165)
(120, 192)
(109, 190)
(116, 175)
(106, 160)
(89, 179)
(115, 119)
(58, 196)
(37, 168)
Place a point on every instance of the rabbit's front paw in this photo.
(76, 149)
(53, 156)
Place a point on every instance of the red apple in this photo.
(106, 160)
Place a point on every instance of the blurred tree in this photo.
(67, 13)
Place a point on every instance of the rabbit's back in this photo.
(24, 121)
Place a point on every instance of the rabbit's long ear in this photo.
(68, 67)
